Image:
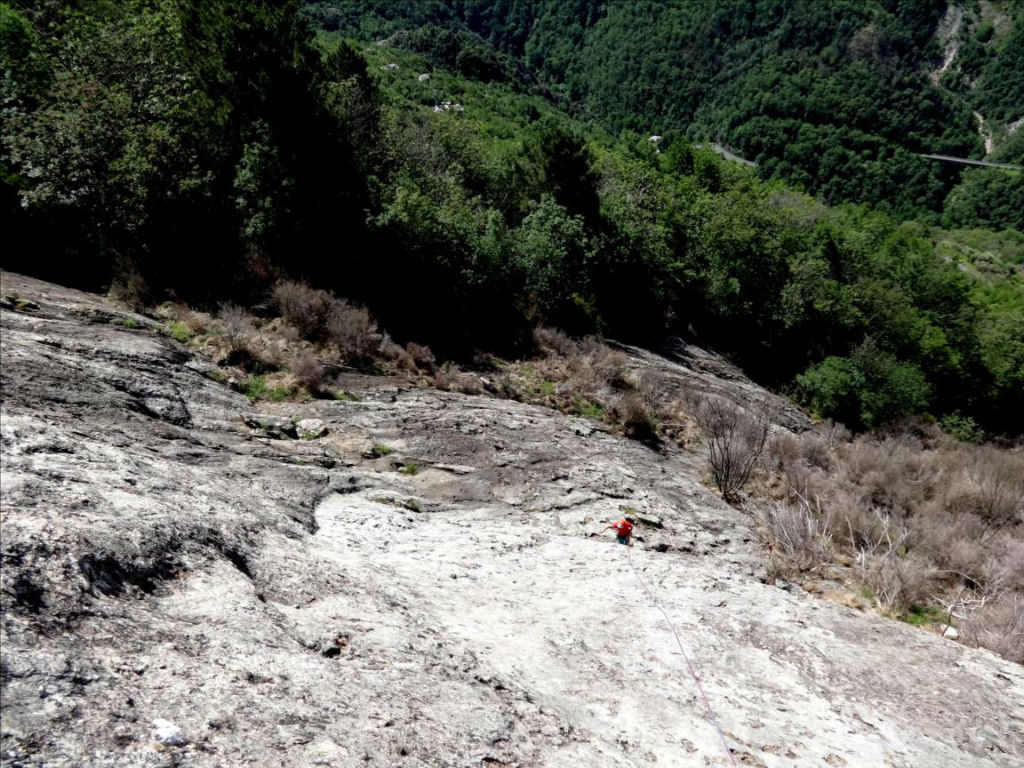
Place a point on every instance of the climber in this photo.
(623, 530)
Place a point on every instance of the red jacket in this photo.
(623, 528)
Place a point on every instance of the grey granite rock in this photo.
(178, 590)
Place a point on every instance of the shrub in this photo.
(237, 326)
(305, 309)
(998, 626)
(798, 535)
(735, 439)
(609, 366)
(921, 516)
(352, 331)
(421, 356)
(129, 287)
(397, 354)
(1004, 572)
(992, 487)
(834, 434)
(452, 378)
(869, 388)
(288, 333)
(636, 420)
(900, 583)
(179, 331)
(676, 422)
(963, 428)
(308, 371)
(593, 411)
(553, 341)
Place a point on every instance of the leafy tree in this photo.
(868, 389)
(553, 252)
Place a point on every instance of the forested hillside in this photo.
(837, 97)
(202, 151)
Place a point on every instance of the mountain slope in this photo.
(180, 589)
(834, 96)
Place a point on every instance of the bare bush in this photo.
(554, 341)
(421, 356)
(636, 420)
(1004, 572)
(899, 583)
(352, 331)
(783, 451)
(289, 333)
(874, 534)
(894, 474)
(397, 354)
(999, 626)
(815, 450)
(991, 486)
(452, 378)
(677, 423)
(129, 286)
(798, 535)
(593, 370)
(308, 371)
(608, 365)
(236, 324)
(834, 434)
(952, 540)
(304, 308)
(734, 438)
(920, 516)
(196, 322)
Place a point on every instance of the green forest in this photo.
(833, 97)
(489, 169)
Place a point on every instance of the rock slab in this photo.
(180, 588)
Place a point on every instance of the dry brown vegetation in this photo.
(734, 437)
(583, 377)
(930, 529)
(297, 354)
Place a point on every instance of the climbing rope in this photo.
(693, 673)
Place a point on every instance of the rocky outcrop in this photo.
(189, 582)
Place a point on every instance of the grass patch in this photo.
(178, 331)
(377, 451)
(346, 396)
(256, 388)
(587, 408)
(410, 469)
(216, 374)
(131, 323)
(921, 615)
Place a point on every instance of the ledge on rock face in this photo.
(652, 520)
(310, 429)
(455, 469)
(274, 427)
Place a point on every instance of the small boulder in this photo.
(274, 427)
(310, 429)
(166, 732)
